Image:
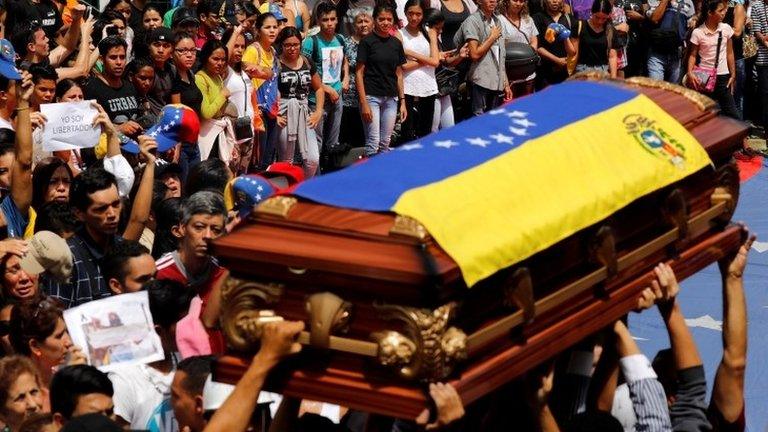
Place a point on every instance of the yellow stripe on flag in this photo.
(522, 202)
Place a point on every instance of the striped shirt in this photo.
(760, 25)
(647, 394)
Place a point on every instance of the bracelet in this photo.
(21, 109)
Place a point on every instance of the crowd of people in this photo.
(192, 99)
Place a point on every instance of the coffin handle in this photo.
(602, 250)
(519, 293)
(675, 212)
(328, 313)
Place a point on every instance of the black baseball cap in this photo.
(160, 34)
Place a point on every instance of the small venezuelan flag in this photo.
(499, 188)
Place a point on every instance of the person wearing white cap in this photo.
(20, 268)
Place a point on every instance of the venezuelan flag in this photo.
(498, 188)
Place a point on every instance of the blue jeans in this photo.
(330, 126)
(738, 88)
(189, 156)
(664, 66)
(267, 141)
(378, 132)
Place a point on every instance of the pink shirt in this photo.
(706, 40)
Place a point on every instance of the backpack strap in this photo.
(316, 51)
(342, 42)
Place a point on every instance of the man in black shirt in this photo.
(111, 91)
(160, 49)
(33, 43)
(25, 13)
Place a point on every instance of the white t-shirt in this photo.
(143, 398)
(421, 81)
(5, 124)
(522, 34)
(240, 87)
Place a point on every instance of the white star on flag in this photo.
(408, 147)
(524, 122)
(497, 111)
(500, 138)
(258, 197)
(259, 188)
(154, 134)
(478, 142)
(516, 114)
(166, 127)
(446, 144)
(518, 131)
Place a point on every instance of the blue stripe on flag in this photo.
(378, 183)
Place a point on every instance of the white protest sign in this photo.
(115, 330)
(69, 126)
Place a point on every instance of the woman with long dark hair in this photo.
(240, 92)
(594, 39)
(449, 59)
(216, 138)
(184, 90)
(297, 77)
(260, 63)
(379, 80)
(712, 42)
(519, 27)
(419, 83)
(38, 331)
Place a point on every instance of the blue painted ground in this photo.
(701, 295)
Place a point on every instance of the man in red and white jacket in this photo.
(203, 219)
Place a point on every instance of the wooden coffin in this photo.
(387, 309)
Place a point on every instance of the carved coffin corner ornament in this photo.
(245, 310)
(277, 206)
(518, 292)
(602, 250)
(704, 103)
(409, 227)
(328, 314)
(428, 350)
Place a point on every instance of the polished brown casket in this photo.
(387, 309)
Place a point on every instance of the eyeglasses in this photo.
(185, 50)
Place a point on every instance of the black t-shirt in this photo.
(22, 13)
(593, 46)
(160, 93)
(296, 83)
(542, 21)
(120, 103)
(190, 94)
(738, 42)
(381, 56)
